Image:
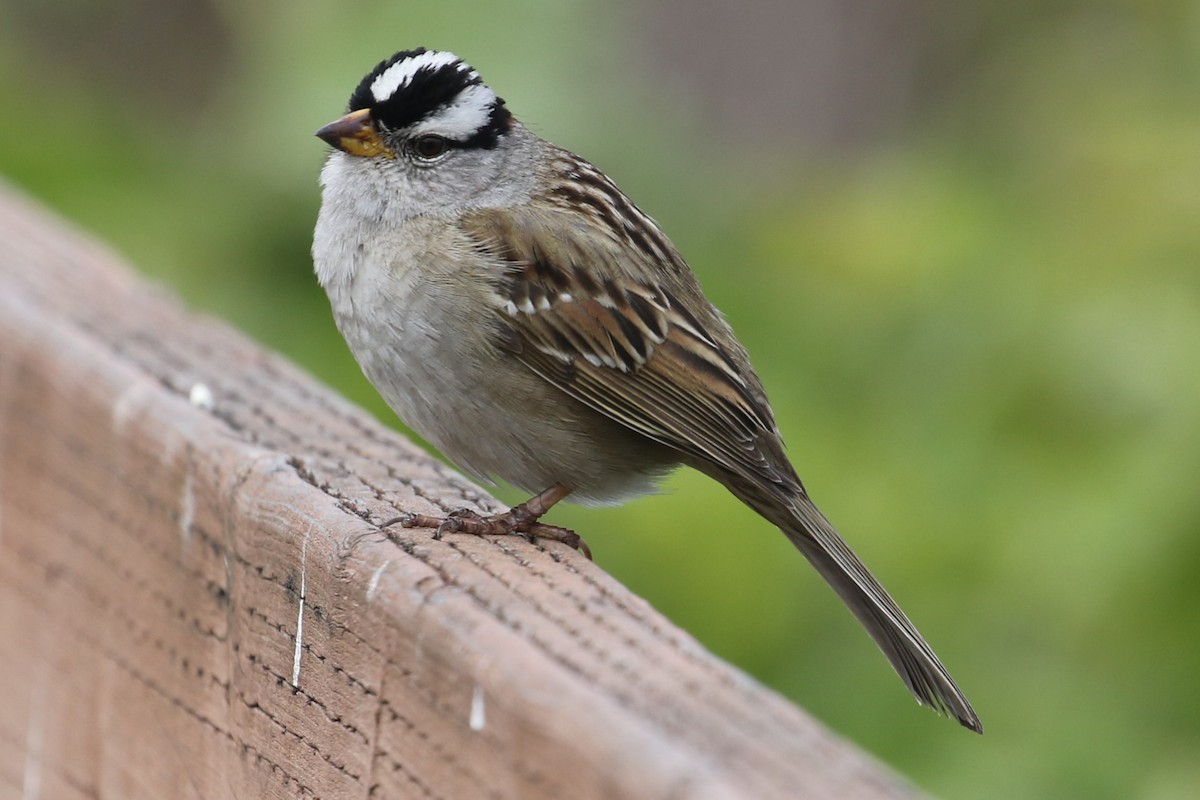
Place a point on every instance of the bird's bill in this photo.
(355, 134)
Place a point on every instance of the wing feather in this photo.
(628, 348)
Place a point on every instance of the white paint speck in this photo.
(478, 716)
(130, 401)
(300, 613)
(187, 509)
(201, 396)
(373, 584)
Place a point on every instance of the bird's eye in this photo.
(429, 147)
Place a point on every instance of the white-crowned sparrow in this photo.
(524, 316)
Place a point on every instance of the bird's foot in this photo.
(520, 520)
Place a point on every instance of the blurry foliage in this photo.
(981, 332)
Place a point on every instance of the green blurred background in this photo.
(961, 242)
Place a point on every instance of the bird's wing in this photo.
(651, 354)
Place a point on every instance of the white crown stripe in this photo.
(400, 73)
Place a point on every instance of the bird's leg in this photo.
(521, 519)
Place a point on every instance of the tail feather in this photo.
(907, 651)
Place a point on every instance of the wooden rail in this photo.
(196, 601)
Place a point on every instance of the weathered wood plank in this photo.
(195, 600)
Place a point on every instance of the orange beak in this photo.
(355, 134)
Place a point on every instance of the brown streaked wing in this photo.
(630, 350)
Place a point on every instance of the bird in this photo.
(518, 311)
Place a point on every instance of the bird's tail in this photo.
(912, 658)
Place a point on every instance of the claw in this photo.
(410, 520)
